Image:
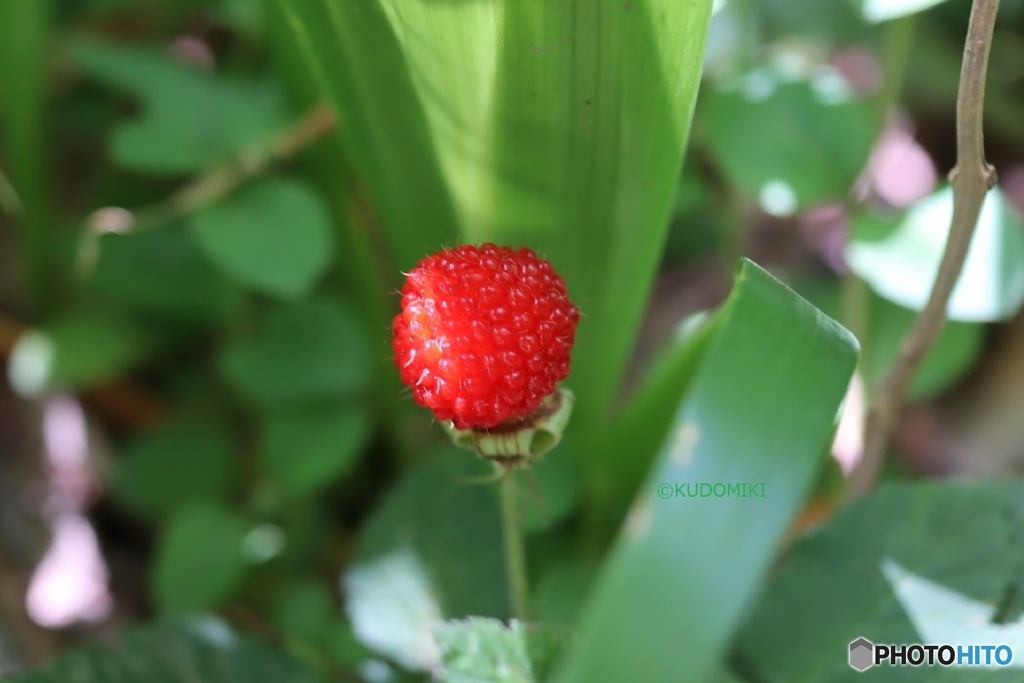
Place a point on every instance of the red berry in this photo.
(484, 335)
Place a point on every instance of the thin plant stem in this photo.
(972, 178)
(515, 551)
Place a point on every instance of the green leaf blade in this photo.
(27, 31)
(685, 569)
(588, 137)
(360, 69)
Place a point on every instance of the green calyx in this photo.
(518, 443)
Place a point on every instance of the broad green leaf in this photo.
(475, 650)
(191, 119)
(884, 10)
(199, 559)
(306, 447)
(176, 652)
(913, 563)
(787, 143)
(178, 462)
(274, 236)
(648, 415)
(162, 272)
(900, 259)
(309, 350)
(305, 609)
(560, 125)
(431, 551)
(76, 351)
(760, 410)
(361, 70)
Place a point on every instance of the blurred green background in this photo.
(210, 471)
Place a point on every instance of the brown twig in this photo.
(972, 178)
(10, 331)
(221, 181)
(207, 188)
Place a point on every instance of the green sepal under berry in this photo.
(519, 443)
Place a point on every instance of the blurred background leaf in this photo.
(178, 462)
(883, 10)
(75, 351)
(899, 259)
(274, 236)
(314, 349)
(176, 653)
(868, 570)
(431, 551)
(199, 560)
(305, 447)
(950, 358)
(179, 282)
(190, 120)
(803, 161)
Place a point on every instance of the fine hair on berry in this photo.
(485, 334)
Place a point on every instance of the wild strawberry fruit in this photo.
(484, 335)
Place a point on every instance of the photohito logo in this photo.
(864, 654)
(861, 654)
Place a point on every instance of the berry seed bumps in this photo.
(484, 335)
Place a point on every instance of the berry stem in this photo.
(515, 552)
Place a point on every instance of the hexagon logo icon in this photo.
(862, 654)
